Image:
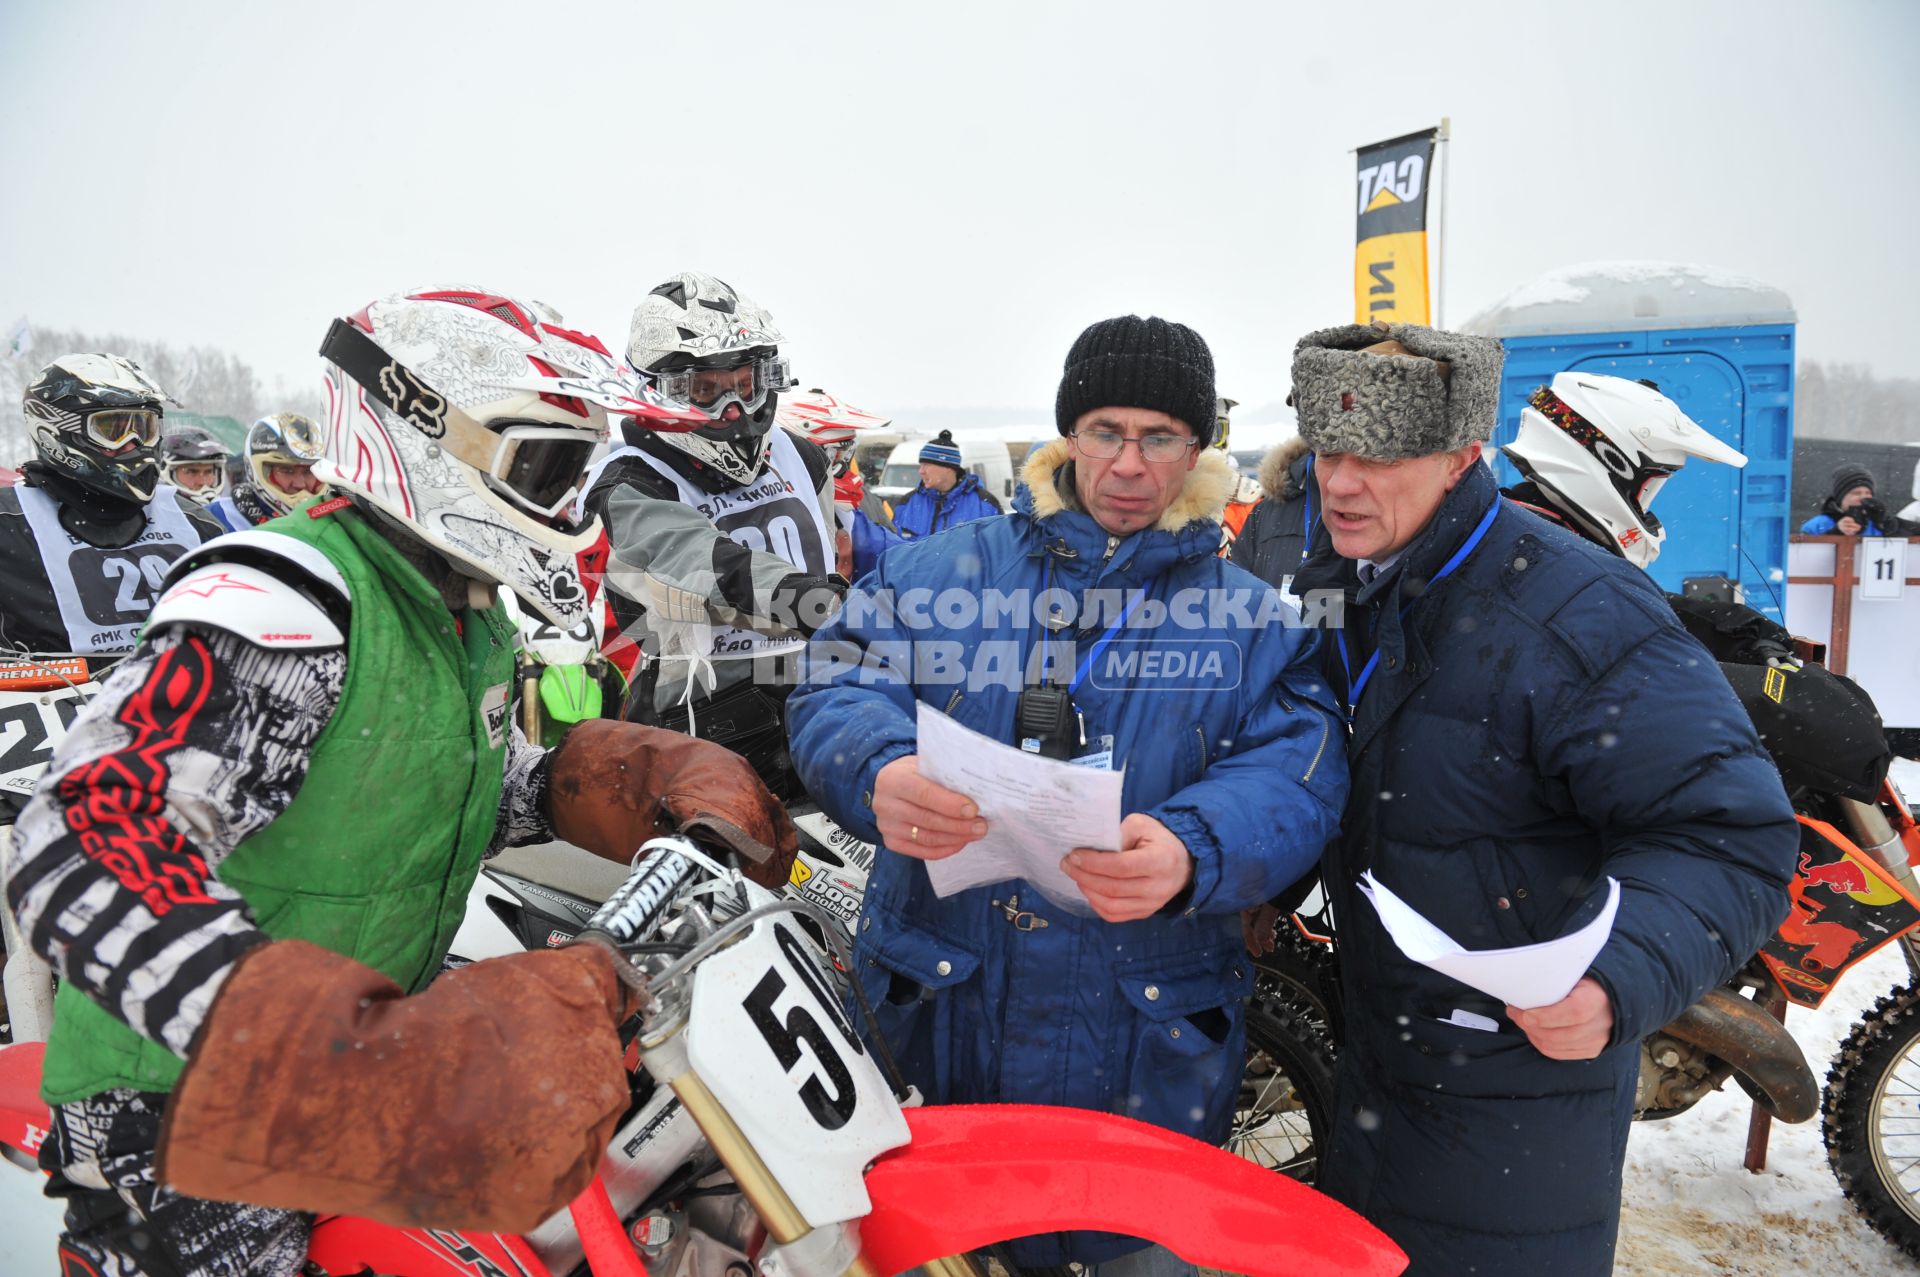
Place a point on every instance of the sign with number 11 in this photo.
(1883, 567)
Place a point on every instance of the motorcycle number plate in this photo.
(774, 1045)
(31, 724)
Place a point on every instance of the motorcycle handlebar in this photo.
(633, 913)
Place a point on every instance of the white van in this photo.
(987, 459)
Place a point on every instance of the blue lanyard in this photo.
(1357, 686)
(1306, 524)
(1099, 644)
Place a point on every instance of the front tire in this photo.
(1285, 1115)
(1871, 1118)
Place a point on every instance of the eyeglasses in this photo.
(1160, 449)
(113, 428)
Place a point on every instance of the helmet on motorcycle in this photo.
(1222, 411)
(195, 461)
(96, 420)
(705, 344)
(829, 422)
(1601, 448)
(469, 417)
(281, 450)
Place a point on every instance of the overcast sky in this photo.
(933, 199)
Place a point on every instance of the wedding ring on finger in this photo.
(913, 833)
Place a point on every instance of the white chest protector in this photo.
(778, 514)
(105, 595)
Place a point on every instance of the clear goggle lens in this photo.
(711, 389)
(114, 428)
(196, 476)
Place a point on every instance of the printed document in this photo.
(1037, 810)
(1532, 975)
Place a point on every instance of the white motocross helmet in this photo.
(704, 344)
(469, 417)
(1601, 448)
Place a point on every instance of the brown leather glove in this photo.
(613, 785)
(484, 1102)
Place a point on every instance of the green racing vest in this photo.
(376, 853)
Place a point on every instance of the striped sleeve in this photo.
(194, 743)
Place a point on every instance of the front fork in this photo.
(1892, 849)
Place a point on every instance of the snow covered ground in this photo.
(1691, 1208)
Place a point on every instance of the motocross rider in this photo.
(1595, 451)
(195, 462)
(281, 450)
(721, 538)
(90, 530)
(252, 851)
(835, 426)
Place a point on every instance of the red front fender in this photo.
(986, 1173)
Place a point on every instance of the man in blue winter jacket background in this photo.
(1234, 776)
(948, 494)
(1528, 719)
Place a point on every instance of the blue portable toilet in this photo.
(1718, 344)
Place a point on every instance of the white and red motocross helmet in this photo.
(1600, 449)
(835, 425)
(469, 417)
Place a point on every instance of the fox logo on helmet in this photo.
(424, 410)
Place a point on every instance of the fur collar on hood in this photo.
(1274, 480)
(1203, 496)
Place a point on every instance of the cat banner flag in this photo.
(1390, 260)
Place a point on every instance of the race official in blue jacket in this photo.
(1204, 690)
(1529, 719)
(948, 494)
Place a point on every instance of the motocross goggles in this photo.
(178, 469)
(538, 466)
(115, 428)
(535, 465)
(1638, 481)
(747, 381)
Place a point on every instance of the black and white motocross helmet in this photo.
(1600, 448)
(96, 419)
(704, 344)
(185, 452)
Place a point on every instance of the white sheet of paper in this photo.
(1532, 975)
(1037, 810)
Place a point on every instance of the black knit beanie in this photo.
(1132, 362)
(1846, 477)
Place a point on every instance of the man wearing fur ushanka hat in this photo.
(1528, 721)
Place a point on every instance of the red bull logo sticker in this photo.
(1841, 908)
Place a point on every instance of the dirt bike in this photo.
(40, 696)
(1285, 1112)
(764, 1138)
(1854, 891)
(560, 677)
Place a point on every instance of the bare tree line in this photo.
(1831, 400)
(1846, 401)
(200, 379)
